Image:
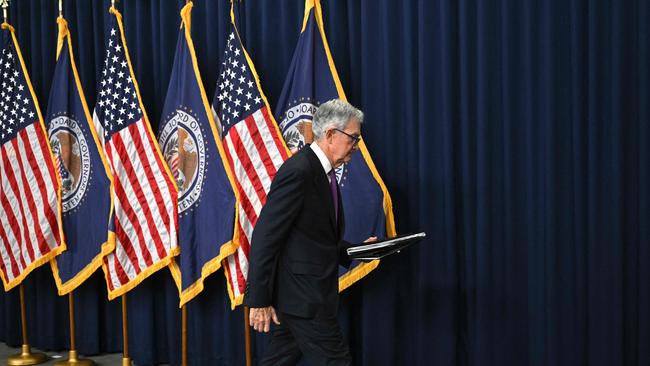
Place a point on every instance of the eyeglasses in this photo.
(355, 139)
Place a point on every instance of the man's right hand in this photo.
(260, 318)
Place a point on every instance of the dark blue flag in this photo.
(192, 148)
(313, 80)
(85, 182)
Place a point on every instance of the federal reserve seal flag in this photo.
(85, 178)
(311, 81)
(192, 149)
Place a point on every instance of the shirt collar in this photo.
(325, 162)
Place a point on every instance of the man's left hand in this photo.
(260, 318)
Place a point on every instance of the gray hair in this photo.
(335, 113)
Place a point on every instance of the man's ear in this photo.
(328, 134)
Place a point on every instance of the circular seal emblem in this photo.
(296, 125)
(72, 159)
(184, 150)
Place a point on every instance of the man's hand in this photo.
(369, 240)
(260, 318)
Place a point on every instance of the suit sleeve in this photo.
(283, 205)
(344, 259)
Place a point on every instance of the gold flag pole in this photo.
(126, 361)
(72, 357)
(184, 319)
(247, 337)
(26, 357)
(247, 330)
(184, 335)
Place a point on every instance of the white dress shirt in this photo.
(325, 162)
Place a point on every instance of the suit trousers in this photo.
(318, 339)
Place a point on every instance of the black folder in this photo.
(381, 248)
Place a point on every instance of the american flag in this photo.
(145, 196)
(254, 148)
(29, 190)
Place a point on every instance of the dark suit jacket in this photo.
(296, 246)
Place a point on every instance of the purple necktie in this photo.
(333, 190)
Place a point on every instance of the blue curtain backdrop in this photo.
(515, 133)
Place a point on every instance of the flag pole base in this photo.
(126, 361)
(73, 360)
(26, 357)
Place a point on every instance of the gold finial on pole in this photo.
(5, 5)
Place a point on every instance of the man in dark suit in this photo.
(297, 247)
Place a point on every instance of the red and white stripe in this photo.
(145, 206)
(255, 152)
(29, 227)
